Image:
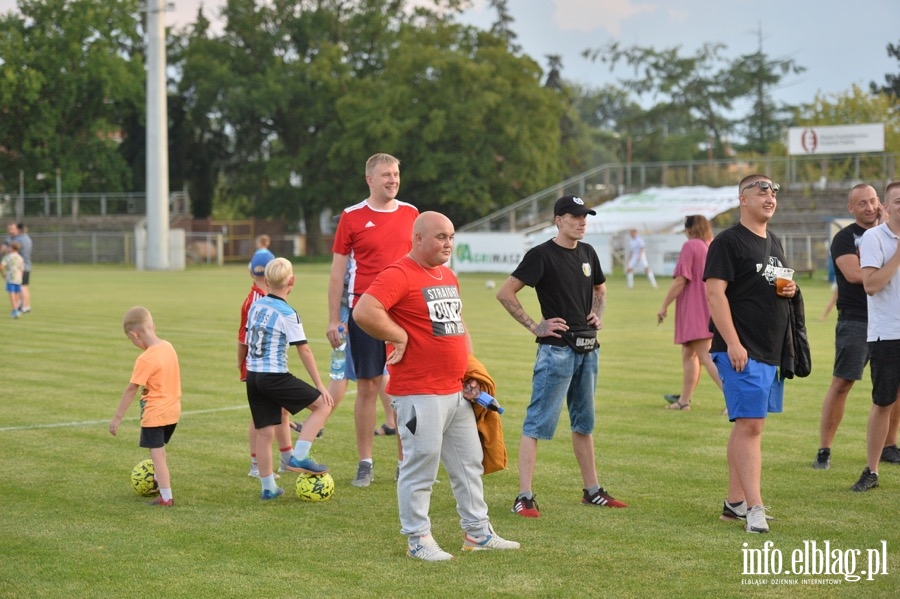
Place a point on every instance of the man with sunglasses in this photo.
(749, 324)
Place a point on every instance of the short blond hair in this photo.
(136, 319)
(377, 159)
(278, 271)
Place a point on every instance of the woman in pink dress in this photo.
(688, 291)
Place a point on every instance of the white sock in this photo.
(652, 279)
(630, 278)
(301, 449)
(166, 494)
(268, 483)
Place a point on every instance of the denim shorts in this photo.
(851, 350)
(560, 372)
(751, 393)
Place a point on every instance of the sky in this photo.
(840, 43)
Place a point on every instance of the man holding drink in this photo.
(750, 320)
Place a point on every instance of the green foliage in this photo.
(891, 81)
(695, 96)
(473, 126)
(73, 525)
(70, 71)
(855, 106)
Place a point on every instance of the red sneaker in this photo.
(601, 498)
(162, 502)
(526, 507)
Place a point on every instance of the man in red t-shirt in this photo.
(414, 305)
(370, 235)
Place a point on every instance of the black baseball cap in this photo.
(571, 205)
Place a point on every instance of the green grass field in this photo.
(72, 526)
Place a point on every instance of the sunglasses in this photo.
(764, 186)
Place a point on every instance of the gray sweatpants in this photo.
(435, 429)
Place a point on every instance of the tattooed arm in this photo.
(545, 328)
(598, 307)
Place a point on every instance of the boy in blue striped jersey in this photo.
(272, 326)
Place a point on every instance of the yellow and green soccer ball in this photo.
(315, 487)
(143, 479)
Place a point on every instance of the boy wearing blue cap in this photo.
(258, 289)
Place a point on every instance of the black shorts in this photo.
(369, 354)
(851, 350)
(267, 393)
(885, 368)
(154, 437)
(26, 277)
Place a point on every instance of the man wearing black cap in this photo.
(571, 290)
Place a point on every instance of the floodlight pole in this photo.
(157, 139)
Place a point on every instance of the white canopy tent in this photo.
(658, 213)
(660, 209)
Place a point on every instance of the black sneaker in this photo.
(823, 459)
(526, 507)
(890, 454)
(868, 480)
(737, 511)
(600, 498)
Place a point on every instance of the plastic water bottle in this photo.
(339, 359)
(489, 402)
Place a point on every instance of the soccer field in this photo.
(73, 527)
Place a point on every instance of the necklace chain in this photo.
(425, 270)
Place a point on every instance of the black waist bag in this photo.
(583, 342)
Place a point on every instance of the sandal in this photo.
(385, 431)
(678, 406)
(297, 427)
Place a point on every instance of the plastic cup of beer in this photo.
(783, 276)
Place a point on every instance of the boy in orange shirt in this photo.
(157, 371)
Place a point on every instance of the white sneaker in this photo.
(428, 550)
(756, 519)
(489, 541)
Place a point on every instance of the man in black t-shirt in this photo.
(749, 327)
(851, 351)
(571, 290)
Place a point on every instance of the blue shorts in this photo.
(349, 371)
(13, 288)
(369, 354)
(751, 393)
(560, 372)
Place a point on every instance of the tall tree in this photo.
(502, 27)
(699, 91)
(474, 127)
(70, 71)
(308, 89)
(891, 81)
